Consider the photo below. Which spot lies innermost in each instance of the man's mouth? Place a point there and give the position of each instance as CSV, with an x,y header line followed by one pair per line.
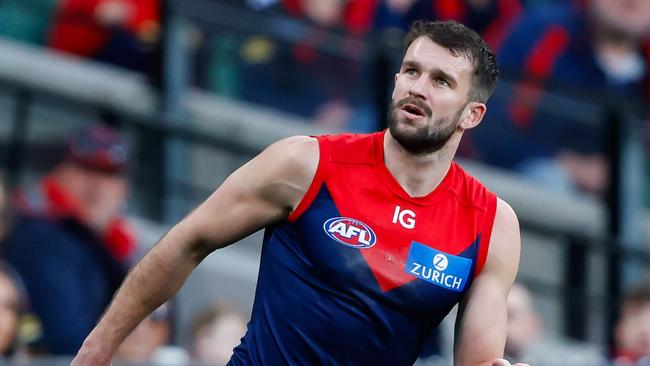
x,y
413,109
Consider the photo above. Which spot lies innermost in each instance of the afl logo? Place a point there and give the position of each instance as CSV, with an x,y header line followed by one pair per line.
x,y
350,232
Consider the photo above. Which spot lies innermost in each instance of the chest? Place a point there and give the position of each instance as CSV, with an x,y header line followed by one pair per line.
x,y
366,241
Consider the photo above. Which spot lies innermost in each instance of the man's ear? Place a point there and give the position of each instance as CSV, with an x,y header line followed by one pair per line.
x,y
472,115
392,96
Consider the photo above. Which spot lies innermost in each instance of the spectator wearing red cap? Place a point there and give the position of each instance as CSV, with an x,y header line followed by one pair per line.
x,y
68,242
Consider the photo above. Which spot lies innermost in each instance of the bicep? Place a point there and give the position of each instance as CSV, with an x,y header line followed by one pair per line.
x,y
482,316
261,192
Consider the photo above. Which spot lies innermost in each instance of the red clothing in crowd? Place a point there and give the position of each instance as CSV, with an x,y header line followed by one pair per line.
x,y
52,200
357,15
77,30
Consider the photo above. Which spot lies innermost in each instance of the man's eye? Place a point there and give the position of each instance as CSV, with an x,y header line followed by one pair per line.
x,y
442,82
411,71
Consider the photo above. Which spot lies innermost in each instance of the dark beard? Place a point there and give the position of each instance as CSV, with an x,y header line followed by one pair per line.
x,y
423,141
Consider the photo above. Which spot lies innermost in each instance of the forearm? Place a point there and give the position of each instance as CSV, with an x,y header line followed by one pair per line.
x,y
481,325
487,348
480,334
158,276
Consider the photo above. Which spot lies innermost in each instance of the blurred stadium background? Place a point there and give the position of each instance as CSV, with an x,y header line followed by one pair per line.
x,y
218,80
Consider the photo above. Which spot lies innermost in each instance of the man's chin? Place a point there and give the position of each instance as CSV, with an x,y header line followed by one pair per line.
x,y
412,140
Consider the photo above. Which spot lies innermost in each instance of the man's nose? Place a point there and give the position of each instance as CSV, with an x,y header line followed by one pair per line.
x,y
418,88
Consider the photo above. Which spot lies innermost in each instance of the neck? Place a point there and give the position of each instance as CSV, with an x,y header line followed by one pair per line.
x,y
418,174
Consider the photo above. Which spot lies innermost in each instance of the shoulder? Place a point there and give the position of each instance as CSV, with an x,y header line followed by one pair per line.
x,y
506,216
282,173
505,232
505,242
295,149
294,153
294,144
350,147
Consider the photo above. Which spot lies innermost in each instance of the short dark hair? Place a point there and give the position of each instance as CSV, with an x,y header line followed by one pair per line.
x,y
461,40
638,295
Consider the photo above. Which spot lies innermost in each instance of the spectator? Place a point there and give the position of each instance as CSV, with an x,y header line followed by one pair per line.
x,y
12,294
323,87
352,17
149,341
526,340
68,242
590,48
215,333
632,334
13,302
119,32
493,19
393,14
524,325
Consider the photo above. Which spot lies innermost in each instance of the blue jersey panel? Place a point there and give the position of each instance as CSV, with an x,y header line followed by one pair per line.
x,y
318,303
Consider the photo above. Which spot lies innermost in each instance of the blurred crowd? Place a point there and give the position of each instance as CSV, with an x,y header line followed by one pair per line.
x,y
590,50
65,249
66,244
120,32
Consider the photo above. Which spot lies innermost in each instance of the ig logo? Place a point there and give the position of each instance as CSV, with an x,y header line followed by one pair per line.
x,y
406,218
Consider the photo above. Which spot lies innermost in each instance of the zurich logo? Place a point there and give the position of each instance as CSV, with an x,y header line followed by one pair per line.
x,y
350,232
440,262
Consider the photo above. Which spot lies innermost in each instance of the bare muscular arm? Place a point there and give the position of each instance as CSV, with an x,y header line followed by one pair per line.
x,y
481,323
263,191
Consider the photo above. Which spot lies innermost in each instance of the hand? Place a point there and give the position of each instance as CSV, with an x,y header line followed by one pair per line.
x,y
81,360
86,357
502,362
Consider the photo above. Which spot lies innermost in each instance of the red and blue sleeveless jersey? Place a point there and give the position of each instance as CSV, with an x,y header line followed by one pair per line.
x,y
360,272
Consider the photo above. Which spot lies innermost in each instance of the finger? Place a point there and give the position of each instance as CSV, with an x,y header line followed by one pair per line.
x,y
500,362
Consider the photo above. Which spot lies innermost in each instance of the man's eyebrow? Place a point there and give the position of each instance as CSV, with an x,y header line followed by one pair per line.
x,y
412,63
435,72
445,75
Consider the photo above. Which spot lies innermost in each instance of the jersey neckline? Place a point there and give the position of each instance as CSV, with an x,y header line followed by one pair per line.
x,y
395,186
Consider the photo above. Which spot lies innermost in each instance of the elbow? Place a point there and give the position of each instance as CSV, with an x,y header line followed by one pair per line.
x,y
192,245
